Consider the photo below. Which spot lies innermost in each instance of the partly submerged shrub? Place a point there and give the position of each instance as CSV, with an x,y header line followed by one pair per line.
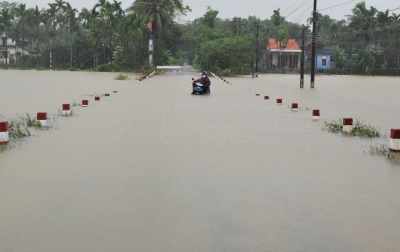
x,y
360,129
121,77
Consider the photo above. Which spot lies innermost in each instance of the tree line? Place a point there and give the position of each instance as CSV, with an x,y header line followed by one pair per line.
x,y
108,38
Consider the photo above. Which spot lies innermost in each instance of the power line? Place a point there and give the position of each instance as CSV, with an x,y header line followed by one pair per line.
x,y
301,15
299,7
336,5
290,6
395,9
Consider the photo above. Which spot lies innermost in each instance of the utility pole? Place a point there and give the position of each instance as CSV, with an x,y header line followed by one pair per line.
x,y
313,44
303,38
6,51
257,50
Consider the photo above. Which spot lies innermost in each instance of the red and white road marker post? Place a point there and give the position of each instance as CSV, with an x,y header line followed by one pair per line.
x,y
295,106
347,125
4,136
42,118
66,109
279,101
266,97
85,103
97,98
394,140
315,114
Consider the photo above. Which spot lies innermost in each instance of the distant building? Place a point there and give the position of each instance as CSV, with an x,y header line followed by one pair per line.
x,y
15,49
324,58
285,55
323,55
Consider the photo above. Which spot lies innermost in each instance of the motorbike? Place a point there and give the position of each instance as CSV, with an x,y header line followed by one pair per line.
x,y
198,88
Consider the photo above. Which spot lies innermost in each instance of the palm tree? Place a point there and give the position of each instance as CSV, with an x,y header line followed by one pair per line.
x,y
95,38
282,41
395,20
22,14
61,7
118,11
85,17
35,19
277,19
364,20
72,22
383,20
107,14
160,12
49,19
6,26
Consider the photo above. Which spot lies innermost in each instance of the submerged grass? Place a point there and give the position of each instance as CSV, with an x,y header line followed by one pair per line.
x,y
18,129
384,151
360,129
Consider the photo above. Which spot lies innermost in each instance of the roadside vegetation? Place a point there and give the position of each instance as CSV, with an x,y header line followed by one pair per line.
x,y
105,37
360,129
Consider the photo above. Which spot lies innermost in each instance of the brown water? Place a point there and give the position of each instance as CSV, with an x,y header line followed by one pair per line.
x,y
153,168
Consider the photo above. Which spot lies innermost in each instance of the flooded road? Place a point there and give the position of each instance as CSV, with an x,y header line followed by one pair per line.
x,y
153,168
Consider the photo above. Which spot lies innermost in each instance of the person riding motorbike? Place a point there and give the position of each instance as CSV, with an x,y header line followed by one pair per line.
x,y
205,81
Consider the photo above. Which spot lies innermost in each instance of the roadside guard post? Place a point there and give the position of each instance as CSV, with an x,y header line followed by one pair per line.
x,y
4,136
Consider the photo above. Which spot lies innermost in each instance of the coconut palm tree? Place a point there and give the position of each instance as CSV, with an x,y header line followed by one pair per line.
x,y
364,20
159,12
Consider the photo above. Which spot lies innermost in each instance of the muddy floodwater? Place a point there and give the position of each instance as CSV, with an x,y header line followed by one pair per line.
x,y
153,168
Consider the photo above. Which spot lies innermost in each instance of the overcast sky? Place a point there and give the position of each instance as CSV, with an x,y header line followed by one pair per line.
x,y
293,10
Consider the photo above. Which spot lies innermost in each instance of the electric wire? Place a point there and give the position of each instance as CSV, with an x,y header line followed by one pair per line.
x,y
299,7
336,5
290,6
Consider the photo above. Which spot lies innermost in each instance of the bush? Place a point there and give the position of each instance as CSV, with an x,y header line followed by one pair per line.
x,y
121,77
225,73
227,53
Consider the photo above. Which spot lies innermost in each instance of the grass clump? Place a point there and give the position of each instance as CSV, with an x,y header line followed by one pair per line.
x,y
360,129
121,77
334,126
384,151
18,129
32,122
61,113
74,104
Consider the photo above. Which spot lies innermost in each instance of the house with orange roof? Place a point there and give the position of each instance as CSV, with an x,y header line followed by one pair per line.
x,y
285,54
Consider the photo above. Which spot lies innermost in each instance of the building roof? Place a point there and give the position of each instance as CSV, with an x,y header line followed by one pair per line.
x,y
291,45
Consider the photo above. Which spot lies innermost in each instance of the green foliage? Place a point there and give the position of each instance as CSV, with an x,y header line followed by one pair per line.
x,y
121,77
210,17
225,72
383,150
360,129
339,55
227,53
32,122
